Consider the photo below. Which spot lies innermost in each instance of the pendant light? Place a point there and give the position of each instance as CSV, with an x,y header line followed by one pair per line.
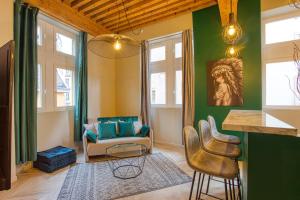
x,y
232,32
232,51
115,46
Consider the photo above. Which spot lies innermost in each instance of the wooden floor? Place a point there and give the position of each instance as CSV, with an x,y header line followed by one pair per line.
x,y
36,185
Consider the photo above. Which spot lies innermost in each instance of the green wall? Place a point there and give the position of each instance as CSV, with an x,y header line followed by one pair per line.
x,y
209,46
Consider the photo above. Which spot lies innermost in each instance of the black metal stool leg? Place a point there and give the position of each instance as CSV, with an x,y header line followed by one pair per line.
x,y
199,180
208,182
226,193
199,197
230,191
233,189
239,188
191,192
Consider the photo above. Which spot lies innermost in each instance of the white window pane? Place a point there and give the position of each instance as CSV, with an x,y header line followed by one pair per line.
x,y
158,54
158,88
283,30
281,84
178,50
64,44
39,86
64,87
178,87
39,36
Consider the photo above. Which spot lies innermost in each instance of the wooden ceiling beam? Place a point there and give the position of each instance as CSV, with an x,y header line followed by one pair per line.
x,y
68,15
94,5
111,8
114,9
161,11
148,13
225,9
146,4
77,3
169,15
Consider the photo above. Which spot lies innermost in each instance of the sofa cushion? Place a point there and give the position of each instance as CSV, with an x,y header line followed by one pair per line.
x,y
91,136
126,129
99,148
107,130
90,126
144,131
137,126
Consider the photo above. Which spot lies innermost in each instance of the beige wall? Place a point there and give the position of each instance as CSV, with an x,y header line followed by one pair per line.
x,y
101,86
6,24
270,4
128,86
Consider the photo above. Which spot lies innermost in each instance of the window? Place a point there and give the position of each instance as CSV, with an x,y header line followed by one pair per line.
x,y
39,35
158,54
165,71
158,88
64,87
282,30
280,84
178,87
280,34
39,86
56,58
64,44
178,50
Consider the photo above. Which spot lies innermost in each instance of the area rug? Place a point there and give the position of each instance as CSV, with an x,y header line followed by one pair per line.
x,y
95,181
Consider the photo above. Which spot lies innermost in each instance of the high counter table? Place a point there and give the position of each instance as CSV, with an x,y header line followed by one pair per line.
x,y
271,165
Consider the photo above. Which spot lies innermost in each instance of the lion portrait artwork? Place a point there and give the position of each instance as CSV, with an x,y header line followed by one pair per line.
x,y
225,82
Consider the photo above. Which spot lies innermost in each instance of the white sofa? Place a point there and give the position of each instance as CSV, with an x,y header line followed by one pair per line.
x,y
99,148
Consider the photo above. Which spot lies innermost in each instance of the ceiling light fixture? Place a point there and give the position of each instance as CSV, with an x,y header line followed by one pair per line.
x,y
232,51
232,32
116,45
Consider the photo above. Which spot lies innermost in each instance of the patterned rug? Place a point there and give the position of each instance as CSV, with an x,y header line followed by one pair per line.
x,y
94,181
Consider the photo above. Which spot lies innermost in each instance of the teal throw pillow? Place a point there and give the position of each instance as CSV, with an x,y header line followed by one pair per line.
x,y
144,131
126,129
91,136
107,130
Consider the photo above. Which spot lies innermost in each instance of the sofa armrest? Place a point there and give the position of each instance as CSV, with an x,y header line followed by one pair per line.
x,y
85,144
151,140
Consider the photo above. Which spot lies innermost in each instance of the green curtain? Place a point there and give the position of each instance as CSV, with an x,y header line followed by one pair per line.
x,y
81,98
25,81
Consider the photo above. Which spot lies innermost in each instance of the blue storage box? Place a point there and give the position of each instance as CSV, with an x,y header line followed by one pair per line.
x,y
55,158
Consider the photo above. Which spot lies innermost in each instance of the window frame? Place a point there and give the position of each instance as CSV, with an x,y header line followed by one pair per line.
x,y
170,65
276,52
50,59
62,108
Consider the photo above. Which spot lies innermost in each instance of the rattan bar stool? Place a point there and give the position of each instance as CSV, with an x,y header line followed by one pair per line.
x,y
217,147
206,163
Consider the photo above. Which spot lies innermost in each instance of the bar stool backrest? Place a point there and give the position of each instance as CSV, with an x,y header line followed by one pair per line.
x,y
191,142
204,131
212,124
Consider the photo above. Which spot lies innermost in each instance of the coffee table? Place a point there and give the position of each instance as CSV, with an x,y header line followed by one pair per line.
x,y
127,160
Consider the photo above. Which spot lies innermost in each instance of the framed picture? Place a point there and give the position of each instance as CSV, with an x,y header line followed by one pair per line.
x,y
225,82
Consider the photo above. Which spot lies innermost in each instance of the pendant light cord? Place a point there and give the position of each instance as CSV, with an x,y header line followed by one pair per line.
x,y
128,22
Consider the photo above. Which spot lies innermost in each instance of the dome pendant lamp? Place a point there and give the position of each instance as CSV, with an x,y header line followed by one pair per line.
x,y
115,46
